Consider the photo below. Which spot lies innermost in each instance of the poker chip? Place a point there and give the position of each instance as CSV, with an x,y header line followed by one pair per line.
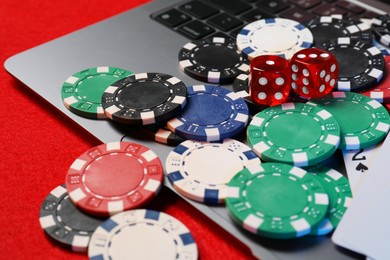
x,y
276,200
213,60
201,170
381,27
142,234
361,65
294,133
385,50
381,92
82,92
114,177
325,28
363,121
64,223
212,114
273,36
145,98
339,193
387,106
161,134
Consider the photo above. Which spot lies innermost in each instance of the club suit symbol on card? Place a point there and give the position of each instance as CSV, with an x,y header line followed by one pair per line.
x,y
361,167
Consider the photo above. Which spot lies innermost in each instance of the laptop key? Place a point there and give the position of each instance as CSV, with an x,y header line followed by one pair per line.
x,y
327,9
275,6
306,4
199,9
195,30
369,14
256,14
225,22
297,14
173,18
232,6
221,35
350,7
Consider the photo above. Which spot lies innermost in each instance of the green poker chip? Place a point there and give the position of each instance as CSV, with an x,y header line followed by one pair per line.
x,y
276,200
294,133
340,196
363,121
82,92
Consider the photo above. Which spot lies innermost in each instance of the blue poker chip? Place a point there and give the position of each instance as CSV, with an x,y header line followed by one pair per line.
x,y
212,113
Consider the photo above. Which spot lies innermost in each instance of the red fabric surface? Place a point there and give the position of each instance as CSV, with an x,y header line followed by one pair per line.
x,y
39,143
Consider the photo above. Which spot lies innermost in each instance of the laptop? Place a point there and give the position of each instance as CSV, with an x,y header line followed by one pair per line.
x,y
148,39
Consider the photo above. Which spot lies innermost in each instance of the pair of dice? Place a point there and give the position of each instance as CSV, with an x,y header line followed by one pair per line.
x,y
311,73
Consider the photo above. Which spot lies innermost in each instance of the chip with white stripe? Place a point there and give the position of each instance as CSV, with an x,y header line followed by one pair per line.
x,y
144,99
381,92
277,200
63,222
212,113
361,65
161,134
114,177
340,196
213,60
363,121
325,28
273,36
294,133
142,234
201,170
381,27
82,92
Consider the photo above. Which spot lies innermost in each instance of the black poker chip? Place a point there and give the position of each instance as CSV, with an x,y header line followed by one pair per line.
x,y
361,65
381,28
144,99
161,134
325,28
64,223
213,60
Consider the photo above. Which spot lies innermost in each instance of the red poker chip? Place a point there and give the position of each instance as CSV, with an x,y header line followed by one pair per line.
x,y
114,177
387,106
381,92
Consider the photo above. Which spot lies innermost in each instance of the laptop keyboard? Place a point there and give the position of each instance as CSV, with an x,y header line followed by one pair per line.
x,y
199,19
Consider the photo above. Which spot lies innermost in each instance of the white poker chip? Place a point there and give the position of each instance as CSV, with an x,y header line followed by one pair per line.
x,y
273,36
142,234
201,170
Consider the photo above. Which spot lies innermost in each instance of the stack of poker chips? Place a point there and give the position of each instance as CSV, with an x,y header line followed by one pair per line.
x,y
99,209
278,187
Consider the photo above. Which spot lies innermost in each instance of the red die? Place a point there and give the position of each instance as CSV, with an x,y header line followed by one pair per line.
x,y
269,80
314,72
